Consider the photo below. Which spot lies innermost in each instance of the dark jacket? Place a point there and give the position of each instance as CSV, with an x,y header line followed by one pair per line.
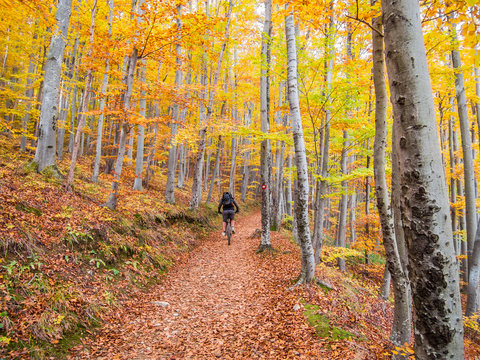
x,y
229,206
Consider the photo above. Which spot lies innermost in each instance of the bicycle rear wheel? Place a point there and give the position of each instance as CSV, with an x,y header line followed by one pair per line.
x,y
228,231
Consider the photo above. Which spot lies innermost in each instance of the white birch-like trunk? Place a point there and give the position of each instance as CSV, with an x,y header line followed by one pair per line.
x,y
265,150
45,155
138,182
172,154
98,145
233,164
323,186
197,176
342,213
424,202
468,173
82,117
216,169
29,92
301,204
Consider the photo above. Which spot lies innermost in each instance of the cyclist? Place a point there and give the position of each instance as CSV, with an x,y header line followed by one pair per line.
x,y
228,203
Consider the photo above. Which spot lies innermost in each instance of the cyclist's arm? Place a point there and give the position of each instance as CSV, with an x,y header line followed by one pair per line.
x,y
235,203
219,205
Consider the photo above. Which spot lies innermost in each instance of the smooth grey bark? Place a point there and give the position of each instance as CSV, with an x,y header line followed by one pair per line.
x,y
323,186
423,200
278,198
353,213
477,90
307,273
288,196
216,169
45,155
265,149
82,117
233,165
29,92
468,173
342,212
208,153
197,176
246,157
124,131
151,156
172,153
98,145
181,166
62,121
138,182
473,277
401,328
385,287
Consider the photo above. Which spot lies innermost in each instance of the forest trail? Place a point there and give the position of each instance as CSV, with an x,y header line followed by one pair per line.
x,y
223,302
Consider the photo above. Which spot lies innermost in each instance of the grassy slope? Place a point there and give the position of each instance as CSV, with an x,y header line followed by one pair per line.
x,y
66,261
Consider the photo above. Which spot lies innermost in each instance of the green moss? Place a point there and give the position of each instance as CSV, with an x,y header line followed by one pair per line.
x,y
21,206
321,323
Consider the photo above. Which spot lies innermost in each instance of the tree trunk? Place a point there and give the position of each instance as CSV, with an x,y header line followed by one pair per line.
x,y
301,204
233,164
82,117
468,172
322,190
424,199
45,155
401,329
265,150
216,169
342,213
98,145
29,92
125,131
172,154
138,182
197,176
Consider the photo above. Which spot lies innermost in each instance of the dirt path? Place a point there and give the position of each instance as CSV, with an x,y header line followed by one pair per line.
x,y
223,302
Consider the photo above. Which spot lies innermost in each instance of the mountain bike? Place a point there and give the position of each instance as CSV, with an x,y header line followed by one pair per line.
x,y
228,230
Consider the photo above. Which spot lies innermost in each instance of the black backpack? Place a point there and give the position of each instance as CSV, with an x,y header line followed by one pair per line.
x,y
227,199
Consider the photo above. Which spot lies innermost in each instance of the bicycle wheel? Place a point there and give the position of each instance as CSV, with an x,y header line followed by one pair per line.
x,y
228,231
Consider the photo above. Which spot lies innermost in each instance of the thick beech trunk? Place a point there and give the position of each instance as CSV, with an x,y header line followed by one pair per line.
x,y
424,202
301,204
401,329
45,155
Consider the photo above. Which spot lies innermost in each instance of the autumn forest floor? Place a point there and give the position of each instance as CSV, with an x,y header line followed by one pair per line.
x,y
158,281
229,302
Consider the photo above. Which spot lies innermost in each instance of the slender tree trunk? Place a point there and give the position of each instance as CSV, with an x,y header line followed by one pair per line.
x,y
29,92
124,132
322,190
151,157
469,176
342,213
424,199
216,169
86,96
197,176
265,150
233,164
98,145
172,154
301,204
45,155
385,287
138,182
